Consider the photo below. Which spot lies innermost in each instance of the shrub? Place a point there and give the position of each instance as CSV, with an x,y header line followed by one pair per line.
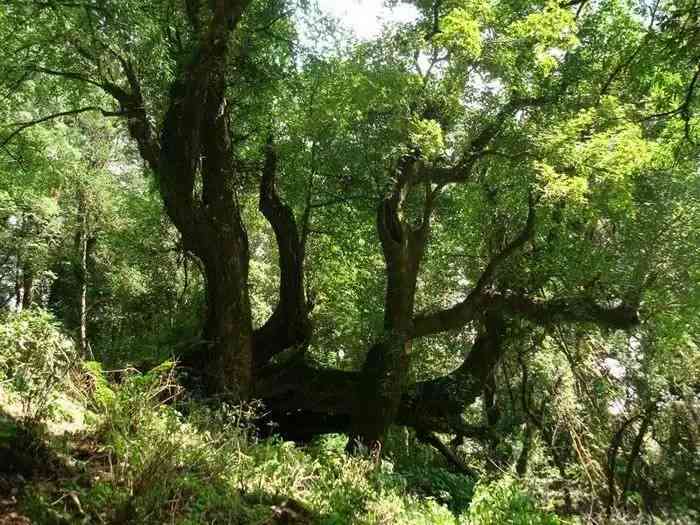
x,y
136,402
425,472
504,502
449,488
35,358
168,467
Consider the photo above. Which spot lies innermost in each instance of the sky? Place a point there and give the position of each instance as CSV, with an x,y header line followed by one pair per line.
x,y
366,17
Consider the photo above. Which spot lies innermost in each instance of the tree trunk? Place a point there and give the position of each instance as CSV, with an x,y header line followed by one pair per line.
x,y
82,249
386,366
289,325
19,290
196,146
524,457
223,249
611,465
636,452
27,288
492,415
228,360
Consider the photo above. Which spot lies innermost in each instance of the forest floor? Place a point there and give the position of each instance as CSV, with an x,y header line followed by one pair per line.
x,y
125,453
136,449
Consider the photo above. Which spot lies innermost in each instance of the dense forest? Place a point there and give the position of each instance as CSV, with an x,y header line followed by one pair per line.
x,y
257,269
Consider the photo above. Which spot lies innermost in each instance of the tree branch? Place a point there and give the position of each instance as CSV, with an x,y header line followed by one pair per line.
x,y
684,110
450,455
464,312
580,309
289,324
477,147
71,75
21,126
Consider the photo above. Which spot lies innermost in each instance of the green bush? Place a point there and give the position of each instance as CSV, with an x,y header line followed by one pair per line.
x,y
35,358
168,467
425,473
449,488
504,502
168,460
138,401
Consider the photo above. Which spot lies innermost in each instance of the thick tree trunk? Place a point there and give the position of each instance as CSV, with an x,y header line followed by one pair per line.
x,y
228,360
384,373
386,366
381,384
223,249
196,145
438,404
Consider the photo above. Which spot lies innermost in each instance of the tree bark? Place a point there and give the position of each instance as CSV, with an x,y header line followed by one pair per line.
x,y
18,285
492,415
27,288
384,373
82,246
195,146
438,404
524,457
289,325
306,401
449,454
611,466
228,360
636,452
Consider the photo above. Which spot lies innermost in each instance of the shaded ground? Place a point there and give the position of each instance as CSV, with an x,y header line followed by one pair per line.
x,y
9,491
60,458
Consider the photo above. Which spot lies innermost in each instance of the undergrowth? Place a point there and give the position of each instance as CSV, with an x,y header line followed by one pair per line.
x,y
149,454
152,456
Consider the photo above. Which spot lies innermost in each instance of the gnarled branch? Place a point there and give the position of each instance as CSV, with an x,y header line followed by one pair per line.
x,y
289,324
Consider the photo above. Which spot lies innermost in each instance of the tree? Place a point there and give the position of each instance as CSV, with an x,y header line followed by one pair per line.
x,y
508,131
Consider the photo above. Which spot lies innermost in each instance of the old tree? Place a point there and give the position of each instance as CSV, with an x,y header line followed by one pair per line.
x,y
432,198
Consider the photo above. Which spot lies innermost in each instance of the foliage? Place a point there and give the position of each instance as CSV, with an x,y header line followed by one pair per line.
x,y
206,466
35,359
124,409
504,501
550,151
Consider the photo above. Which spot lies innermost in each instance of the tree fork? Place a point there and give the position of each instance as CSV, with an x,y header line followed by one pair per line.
x,y
384,373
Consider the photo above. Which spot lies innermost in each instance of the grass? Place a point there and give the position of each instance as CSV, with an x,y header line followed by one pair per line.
x,y
146,454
